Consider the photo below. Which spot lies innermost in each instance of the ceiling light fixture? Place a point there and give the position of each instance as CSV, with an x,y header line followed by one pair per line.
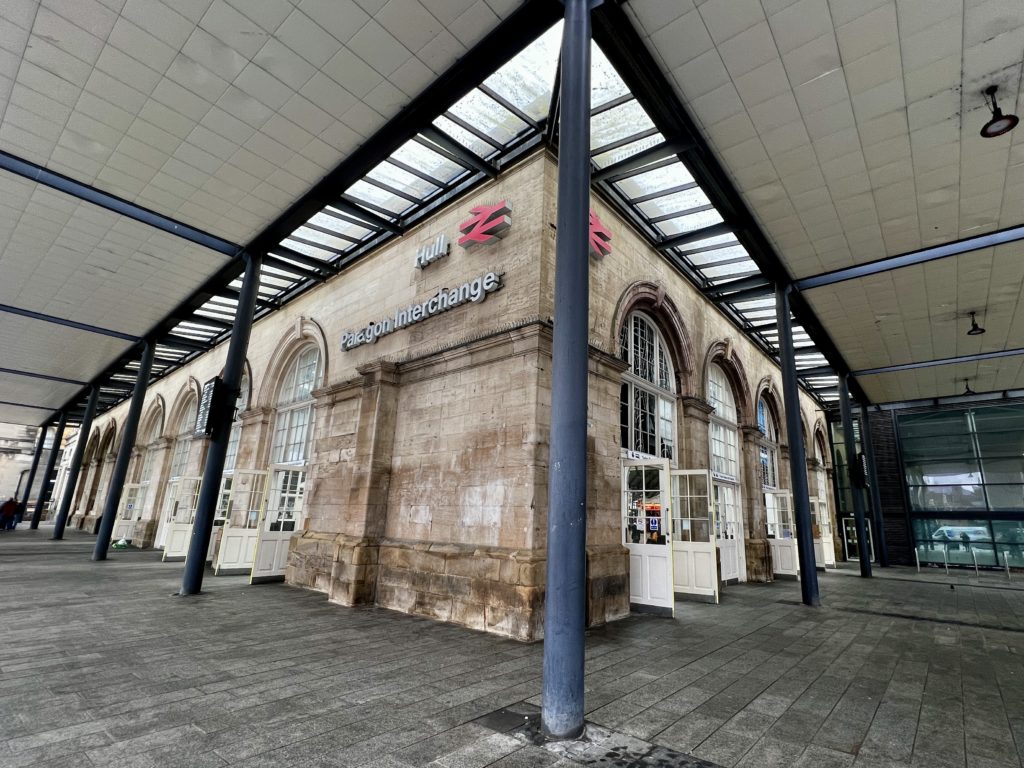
x,y
976,330
1000,123
967,388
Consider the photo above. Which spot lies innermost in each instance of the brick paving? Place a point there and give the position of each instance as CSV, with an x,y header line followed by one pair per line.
x,y
103,666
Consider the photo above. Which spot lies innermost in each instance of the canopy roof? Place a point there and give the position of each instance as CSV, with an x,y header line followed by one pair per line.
x,y
146,145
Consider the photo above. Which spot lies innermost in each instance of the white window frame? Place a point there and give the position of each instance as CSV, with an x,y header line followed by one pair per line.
x,y
658,390
724,427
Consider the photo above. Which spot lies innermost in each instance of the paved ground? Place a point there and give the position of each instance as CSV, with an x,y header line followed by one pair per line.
x,y
103,667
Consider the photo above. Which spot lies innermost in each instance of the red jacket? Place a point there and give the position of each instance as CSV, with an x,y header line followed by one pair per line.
x,y
9,508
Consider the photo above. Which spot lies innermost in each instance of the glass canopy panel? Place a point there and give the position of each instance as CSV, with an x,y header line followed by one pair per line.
x,y
395,177
690,222
717,256
470,141
747,267
621,153
329,243
657,180
605,83
527,80
309,250
619,123
426,160
709,243
340,225
488,116
366,192
677,202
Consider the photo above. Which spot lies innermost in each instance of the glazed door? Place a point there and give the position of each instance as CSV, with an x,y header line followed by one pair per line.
x,y
729,531
782,532
124,525
645,520
281,519
245,501
180,512
821,526
694,564
850,543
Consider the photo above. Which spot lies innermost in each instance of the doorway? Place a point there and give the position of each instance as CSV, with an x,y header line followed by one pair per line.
x,y
645,523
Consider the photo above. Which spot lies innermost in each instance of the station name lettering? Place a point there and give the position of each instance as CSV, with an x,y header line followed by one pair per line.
x,y
473,291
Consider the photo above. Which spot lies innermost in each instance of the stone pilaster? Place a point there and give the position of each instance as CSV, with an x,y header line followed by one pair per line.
x,y
695,449
755,519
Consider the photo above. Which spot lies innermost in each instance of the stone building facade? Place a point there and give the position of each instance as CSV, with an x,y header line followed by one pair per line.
x,y
422,482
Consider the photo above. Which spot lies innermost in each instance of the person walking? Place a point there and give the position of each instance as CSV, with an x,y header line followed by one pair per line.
x,y
7,513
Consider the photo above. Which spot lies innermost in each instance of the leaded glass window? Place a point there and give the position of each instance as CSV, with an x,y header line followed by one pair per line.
x,y
723,427
647,401
768,447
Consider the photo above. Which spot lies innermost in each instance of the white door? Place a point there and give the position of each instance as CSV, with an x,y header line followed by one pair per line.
x,y
282,518
180,504
694,563
729,531
645,519
245,504
821,526
782,533
124,525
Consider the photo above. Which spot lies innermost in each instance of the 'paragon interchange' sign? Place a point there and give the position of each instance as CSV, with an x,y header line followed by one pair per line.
x,y
475,291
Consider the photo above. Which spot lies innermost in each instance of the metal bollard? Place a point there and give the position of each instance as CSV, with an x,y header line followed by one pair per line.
x,y
945,560
917,559
1006,561
975,556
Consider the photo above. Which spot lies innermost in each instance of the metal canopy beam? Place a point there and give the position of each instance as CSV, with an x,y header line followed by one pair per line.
x,y
458,152
1009,235
639,160
67,323
43,376
119,205
715,230
741,284
941,361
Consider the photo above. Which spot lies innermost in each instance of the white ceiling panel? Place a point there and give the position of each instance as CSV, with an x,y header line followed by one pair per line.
x,y
219,113
851,128
920,313
946,381
71,259
29,391
46,348
23,416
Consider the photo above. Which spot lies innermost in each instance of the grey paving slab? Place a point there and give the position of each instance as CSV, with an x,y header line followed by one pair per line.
x,y
110,671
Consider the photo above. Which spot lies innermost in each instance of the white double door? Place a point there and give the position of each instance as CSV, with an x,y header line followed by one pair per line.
x,y
243,501
782,533
645,524
821,525
282,519
694,563
729,536
179,512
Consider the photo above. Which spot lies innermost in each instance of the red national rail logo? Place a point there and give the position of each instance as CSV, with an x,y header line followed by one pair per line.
x,y
488,223
600,237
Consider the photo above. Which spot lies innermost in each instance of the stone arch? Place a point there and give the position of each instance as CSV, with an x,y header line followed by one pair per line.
x,y
767,389
722,353
151,426
304,331
651,299
189,391
107,442
246,381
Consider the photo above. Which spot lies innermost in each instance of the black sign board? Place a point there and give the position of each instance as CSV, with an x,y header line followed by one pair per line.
x,y
212,395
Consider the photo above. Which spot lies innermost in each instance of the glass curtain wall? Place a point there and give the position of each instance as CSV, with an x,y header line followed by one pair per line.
x,y
964,473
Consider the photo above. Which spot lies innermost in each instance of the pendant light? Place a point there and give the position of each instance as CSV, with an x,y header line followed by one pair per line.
x,y
1000,123
967,388
975,330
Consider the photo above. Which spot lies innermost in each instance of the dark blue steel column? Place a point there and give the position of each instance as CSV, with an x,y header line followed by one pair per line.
x,y
124,454
565,606
35,463
876,497
76,464
51,462
797,456
209,493
855,490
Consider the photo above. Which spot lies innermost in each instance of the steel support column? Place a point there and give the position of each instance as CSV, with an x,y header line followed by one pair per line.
x,y
797,456
76,463
124,454
565,605
51,462
855,490
876,497
35,464
221,416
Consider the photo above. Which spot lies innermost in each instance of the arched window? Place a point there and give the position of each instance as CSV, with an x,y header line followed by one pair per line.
x,y
768,446
182,492
647,399
293,430
723,428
